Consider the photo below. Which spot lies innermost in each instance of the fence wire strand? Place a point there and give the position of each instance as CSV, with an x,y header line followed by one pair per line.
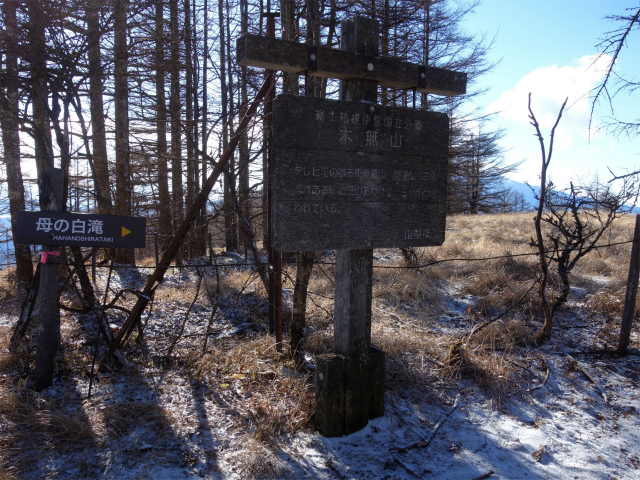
x,y
389,267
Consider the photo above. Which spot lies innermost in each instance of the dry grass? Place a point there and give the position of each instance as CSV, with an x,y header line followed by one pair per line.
x,y
269,392
267,395
33,421
122,419
494,286
259,461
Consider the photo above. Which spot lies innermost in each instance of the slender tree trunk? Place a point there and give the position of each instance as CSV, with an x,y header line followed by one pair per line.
x,y
192,184
121,103
11,140
234,223
305,259
164,199
48,337
384,48
174,106
99,138
427,38
314,26
205,112
243,166
231,235
39,92
266,140
200,236
298,319
545,331
474,179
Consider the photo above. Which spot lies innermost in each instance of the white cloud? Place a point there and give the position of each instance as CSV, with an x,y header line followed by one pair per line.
x,y
549,86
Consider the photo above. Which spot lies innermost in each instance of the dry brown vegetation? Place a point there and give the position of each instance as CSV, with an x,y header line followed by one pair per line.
x,y
427,320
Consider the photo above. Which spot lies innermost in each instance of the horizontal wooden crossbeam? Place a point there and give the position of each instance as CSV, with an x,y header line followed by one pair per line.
x,y
294,57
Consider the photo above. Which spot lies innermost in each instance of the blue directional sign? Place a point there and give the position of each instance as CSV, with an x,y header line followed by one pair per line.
x,y
81,229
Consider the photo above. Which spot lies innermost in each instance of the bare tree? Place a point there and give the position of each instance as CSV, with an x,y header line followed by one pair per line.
x,y
576,220
614,83
545,331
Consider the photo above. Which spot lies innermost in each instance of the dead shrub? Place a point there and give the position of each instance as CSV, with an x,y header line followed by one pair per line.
x,y
319,342
606,301
486,280
504,334
240,280
488,366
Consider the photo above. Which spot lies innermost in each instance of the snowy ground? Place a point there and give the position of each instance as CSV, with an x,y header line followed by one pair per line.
x,y
560,426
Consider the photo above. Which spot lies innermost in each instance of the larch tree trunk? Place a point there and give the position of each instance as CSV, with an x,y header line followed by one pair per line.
x,y
205,112
174,107
200,237
41,130
121,111
231,236
99,158
192,184
96,101
11,140
233,178
164,199
304,268
243,165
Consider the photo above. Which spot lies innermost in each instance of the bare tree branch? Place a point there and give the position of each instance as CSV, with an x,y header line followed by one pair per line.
x,y
613,43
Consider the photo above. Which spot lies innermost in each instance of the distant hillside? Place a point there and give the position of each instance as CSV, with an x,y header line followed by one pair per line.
x,y
527,193
524,190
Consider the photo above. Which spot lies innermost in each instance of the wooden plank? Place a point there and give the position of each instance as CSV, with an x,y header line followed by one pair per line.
x,y
292,57
330,384
350,175
376,382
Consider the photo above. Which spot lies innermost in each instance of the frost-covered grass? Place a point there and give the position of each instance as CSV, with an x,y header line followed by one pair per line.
x,y
239,409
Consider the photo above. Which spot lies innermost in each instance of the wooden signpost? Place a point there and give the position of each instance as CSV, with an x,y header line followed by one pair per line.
x,y
51,228
351,175
81,229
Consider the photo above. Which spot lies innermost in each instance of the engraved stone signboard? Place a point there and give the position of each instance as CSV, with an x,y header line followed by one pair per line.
x,y
353,175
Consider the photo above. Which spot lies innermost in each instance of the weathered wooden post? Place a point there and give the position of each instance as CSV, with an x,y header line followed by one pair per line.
x,y
632,290
351,175
354,268
48,339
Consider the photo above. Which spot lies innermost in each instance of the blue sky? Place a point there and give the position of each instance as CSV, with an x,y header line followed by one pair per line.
x,y
547,47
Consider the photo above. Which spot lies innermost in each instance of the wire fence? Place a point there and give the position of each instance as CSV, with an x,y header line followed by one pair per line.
x,y
152,251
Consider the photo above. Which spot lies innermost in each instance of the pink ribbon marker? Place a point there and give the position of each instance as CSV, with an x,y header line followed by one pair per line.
x,y
43,255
